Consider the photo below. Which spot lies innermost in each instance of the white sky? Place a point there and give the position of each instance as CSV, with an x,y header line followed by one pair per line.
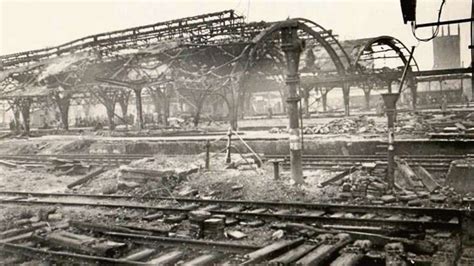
x,y
34,24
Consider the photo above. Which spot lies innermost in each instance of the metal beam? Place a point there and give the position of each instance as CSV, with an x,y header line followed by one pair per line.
x,y
336,79
446,22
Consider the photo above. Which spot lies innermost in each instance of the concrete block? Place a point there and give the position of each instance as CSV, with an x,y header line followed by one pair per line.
x,y
461,176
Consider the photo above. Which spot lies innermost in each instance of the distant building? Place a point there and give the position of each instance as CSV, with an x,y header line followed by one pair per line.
x,y
447,50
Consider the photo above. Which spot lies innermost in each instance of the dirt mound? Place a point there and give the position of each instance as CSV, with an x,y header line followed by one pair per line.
x,y
113,181
25,148
255,184
76,146
105,183
37,146
32,180
159,162
220,183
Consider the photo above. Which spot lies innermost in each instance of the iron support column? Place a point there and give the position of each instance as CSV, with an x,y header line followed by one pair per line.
x,y
472,49
228,156
208,157
389,85
138,102
390,100
292,47
346,95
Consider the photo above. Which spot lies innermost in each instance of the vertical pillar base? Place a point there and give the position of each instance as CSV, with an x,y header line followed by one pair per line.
x,y
292,47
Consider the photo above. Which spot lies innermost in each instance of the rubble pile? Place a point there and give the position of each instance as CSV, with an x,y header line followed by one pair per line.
x,y
248,182
156,175
345,125
360,124
68,167
143,175
445,126
412,124
405,124
455,122
412,187
443,197
362,185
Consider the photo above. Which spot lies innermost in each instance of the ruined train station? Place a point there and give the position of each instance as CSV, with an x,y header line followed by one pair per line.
x,y
215,140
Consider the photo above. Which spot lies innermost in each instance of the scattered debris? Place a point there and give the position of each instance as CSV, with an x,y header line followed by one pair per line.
x,y
428,180
68,167
86,178
338,176
235,234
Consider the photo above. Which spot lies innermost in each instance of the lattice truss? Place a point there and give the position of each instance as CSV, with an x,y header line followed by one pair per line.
x,y
211,57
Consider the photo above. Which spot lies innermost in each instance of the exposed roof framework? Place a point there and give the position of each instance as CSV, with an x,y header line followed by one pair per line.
x,y
378,48
196,29
216,53
209,31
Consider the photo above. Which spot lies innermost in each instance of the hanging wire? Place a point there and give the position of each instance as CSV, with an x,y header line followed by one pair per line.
x,y
435,33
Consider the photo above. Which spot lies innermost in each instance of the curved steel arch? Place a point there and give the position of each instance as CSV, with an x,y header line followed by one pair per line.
x,y
248,53
300,24
347,57
389,41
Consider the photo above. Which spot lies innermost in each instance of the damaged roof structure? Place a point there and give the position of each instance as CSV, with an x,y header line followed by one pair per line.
x,y
286,181
194,58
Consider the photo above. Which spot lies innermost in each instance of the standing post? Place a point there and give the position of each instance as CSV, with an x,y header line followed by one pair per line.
x,y
292,47
276,170
138,102
276,167
390,100
346,90
229,143
389,85
208,146
472,49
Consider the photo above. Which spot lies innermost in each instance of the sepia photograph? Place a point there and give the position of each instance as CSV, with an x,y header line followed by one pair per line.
x,y
237,132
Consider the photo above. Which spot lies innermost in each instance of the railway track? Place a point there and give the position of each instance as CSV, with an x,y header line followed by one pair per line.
x,y
116,248
82,242
110,160
437,163
315,233
375,218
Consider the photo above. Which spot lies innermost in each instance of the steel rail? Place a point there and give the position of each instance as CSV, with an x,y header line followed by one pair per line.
x,y
371,156
368,157
307,218
435,163
134,238
337,168
91,159
79,156
163,240
189,243
292,205
63,256
324,162
399,223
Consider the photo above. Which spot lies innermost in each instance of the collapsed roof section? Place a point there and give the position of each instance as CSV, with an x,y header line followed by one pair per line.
x,y
61,64
202,29
26,92
206,45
